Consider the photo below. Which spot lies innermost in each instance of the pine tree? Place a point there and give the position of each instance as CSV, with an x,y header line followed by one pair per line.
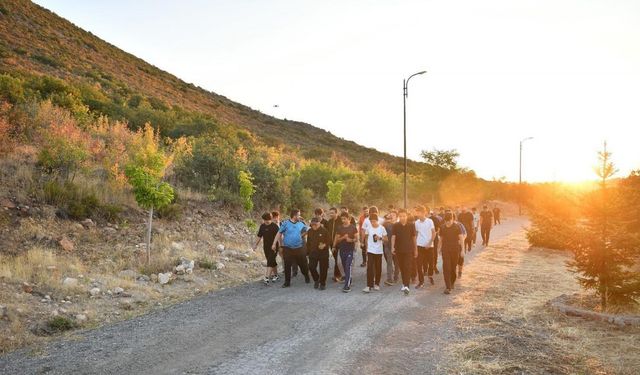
x,y
603,248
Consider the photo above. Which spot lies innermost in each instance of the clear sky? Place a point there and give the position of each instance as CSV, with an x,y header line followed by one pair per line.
x,y
564,72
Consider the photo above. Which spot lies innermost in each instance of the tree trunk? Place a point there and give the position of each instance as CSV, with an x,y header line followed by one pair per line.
x,y
149,235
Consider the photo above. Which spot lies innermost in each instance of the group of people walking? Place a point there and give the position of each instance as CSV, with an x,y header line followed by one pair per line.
x,y
409,242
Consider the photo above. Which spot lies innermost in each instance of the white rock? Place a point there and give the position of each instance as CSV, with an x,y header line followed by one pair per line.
x,y
180,269
94,292
69,282
81,317
88,223
220,265
47,297
164,278
118,290
220,248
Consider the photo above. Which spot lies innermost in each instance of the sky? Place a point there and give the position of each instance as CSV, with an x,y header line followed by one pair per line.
x,y
566,73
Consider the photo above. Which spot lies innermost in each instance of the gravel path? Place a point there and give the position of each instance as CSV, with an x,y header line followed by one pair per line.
x,y
253,329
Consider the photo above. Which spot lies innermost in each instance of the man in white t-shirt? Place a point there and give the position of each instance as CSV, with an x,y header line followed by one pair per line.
x,y
426,232
375,235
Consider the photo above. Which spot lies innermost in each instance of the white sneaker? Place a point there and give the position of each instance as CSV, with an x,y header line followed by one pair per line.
x,y
366,290
406,290
376,287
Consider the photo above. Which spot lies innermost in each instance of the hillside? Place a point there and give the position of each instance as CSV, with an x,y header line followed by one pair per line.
x,y
34,40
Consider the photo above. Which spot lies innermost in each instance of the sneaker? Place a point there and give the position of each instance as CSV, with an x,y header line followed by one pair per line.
x,y
366,290
346,289
447,291
389,283
376,287
307,280
431,280
265,281
334,279
406,290
363,265
286,285
275,278
419,286
316,285
322,287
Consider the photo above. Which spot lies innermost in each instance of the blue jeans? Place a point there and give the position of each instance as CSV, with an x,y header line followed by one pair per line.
x,y
346,256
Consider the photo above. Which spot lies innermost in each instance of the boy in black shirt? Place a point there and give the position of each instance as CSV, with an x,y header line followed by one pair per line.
x,y
267,233
318,246
332,225
451,242
403,243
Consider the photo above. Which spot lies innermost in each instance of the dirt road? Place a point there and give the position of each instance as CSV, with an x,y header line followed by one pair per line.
x,y
253,329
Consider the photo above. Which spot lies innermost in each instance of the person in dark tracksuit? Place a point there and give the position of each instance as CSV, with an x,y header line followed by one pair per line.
x,y
486,222
403,244
318,247
451,244
332,225
292,232
345,241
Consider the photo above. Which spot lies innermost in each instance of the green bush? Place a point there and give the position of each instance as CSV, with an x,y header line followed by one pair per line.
x,y
206,264
172,212
61,324
75,203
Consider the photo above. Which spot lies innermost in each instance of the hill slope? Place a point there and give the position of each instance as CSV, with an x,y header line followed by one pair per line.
x,y
35,40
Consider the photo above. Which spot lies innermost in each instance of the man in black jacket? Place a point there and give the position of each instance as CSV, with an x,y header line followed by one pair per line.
x,y
318,240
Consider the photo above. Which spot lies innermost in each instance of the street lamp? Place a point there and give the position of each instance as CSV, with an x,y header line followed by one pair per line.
x,y
520,177
405,93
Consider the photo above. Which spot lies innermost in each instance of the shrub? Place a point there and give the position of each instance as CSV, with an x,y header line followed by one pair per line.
x,y
61,324
65,150
172,211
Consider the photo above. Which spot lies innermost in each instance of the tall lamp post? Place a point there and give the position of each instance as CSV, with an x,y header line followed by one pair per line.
x,y
405,93
520,177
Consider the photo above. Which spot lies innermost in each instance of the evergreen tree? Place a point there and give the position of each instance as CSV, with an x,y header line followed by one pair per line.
x,y
604,250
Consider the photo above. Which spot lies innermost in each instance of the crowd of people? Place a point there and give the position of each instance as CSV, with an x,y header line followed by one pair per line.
x,y
409,242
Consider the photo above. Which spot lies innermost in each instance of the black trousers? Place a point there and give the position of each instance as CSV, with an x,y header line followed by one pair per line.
x,y
422,263
294,257
468,241
436,241
449,264
485,232
430,264
406,262
321,258
364,254
374,269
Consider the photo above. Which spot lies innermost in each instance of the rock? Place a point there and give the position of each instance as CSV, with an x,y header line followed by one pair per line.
x,y
220,265
66,244
95,292
220,248
128,274
118,290
180,270
27,288
6,203
177,246
77,226
80,318
164,278
47,297
69,282
88,223
110,229
186,265
144,278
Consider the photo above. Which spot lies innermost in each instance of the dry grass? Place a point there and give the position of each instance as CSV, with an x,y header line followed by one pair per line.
x,y
508,328
40,266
